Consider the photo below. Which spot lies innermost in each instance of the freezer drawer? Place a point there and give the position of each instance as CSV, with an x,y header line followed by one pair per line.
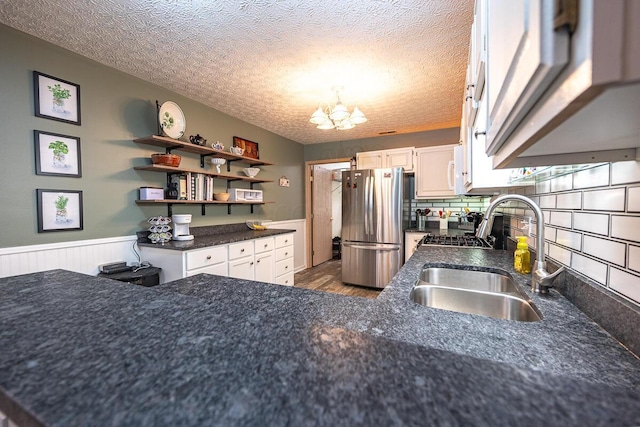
x,y
370,264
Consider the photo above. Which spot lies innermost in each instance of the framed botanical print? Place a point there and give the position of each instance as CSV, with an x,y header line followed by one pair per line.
x,y
57,154
56,99
59,210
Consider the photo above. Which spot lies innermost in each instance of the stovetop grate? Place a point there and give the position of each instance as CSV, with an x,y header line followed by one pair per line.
x,y
466,241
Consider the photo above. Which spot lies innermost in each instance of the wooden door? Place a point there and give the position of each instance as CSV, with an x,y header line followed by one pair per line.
x,y
321,215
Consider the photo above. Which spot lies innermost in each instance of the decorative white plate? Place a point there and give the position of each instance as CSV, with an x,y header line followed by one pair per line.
x,y
172,120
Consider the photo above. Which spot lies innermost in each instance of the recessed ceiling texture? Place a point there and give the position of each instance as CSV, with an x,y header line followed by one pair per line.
x,y
271,63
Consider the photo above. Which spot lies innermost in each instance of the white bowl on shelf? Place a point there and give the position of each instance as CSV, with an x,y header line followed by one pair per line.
x,y
252,172
217,162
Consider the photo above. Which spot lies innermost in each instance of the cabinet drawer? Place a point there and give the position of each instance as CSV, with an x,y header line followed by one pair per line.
x,y
284,240
240,249
285,279
264,245
204,257
217,269
284,267
284,253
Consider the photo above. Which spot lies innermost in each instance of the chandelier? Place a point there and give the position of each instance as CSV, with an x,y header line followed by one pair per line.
x,y
338,116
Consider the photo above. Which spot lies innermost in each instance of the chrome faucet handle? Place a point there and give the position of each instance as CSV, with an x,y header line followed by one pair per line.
x,y
542,280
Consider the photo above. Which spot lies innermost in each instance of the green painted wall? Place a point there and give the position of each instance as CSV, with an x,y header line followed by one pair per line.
x,y
348,149
116,108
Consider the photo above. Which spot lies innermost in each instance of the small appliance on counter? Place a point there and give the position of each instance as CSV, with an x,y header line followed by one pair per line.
x,y
181,227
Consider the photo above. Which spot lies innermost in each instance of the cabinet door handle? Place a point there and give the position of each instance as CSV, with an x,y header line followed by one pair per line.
x,y
251,263
242,250
258,261
286,266
286,253
476,133
266,245
208,257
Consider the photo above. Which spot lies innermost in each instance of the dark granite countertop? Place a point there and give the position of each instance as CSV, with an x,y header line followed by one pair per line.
x,y
212,236
208,350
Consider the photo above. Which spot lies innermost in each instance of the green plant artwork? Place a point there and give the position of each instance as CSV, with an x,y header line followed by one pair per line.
x,y
61,202
167,120
59,93
58,148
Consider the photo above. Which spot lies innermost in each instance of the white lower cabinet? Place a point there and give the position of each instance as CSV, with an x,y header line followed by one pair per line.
x,y
241,260
284,259
411,239
178,264
268,259
264,267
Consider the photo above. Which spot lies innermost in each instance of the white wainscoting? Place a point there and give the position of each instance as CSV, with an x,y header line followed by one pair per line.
x,y
299,237
82,256
85,256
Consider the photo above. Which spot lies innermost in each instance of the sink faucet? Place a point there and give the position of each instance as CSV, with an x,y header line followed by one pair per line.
x,y
541,279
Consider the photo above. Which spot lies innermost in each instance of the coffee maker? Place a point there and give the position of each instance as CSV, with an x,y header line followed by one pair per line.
x,y
181,227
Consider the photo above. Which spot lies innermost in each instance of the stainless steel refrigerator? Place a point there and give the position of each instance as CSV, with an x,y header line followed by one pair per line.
x,y
371,226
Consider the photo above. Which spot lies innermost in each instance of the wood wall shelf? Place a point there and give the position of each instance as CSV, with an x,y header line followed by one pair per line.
x,y
170,169
174,144
203,203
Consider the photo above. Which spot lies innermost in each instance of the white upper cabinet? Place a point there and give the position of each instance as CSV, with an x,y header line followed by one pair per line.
x,y
393,158
560,96
435,171
525,54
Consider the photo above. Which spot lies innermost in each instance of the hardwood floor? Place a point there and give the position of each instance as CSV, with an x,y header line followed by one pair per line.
x,y
327,277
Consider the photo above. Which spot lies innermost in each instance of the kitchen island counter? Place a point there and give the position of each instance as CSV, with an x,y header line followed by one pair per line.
x,y
78,350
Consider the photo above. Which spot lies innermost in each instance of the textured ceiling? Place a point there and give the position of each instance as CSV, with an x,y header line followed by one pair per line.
x,y
271,63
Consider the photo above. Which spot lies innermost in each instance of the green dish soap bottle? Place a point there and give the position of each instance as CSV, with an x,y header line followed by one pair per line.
x,y
522,256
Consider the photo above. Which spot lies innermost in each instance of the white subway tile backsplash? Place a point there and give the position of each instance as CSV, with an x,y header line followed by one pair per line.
x,y
634,258
591,268
570,239
604,200
625,227
569,201
633,199
561,255
543,187
560,219
605,249
547,202
625,172
550,234
625,283
594,177
562,183
593,223
547,216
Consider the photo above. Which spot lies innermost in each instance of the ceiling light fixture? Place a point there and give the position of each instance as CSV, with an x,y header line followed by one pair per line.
x,y
338,116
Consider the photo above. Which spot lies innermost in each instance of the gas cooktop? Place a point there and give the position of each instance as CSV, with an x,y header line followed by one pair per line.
x,y
467,241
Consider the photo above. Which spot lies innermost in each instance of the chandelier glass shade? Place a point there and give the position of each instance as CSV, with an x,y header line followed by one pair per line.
x,y
337,117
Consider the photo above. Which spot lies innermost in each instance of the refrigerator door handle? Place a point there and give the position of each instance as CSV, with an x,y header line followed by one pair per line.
x,y
367,204
381,248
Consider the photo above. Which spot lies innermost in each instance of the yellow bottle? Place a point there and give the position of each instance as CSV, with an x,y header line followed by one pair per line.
x,y
522,256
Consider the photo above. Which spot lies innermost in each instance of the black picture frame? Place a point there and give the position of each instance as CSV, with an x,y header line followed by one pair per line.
x,y
250,148
52,216
57,154
56,99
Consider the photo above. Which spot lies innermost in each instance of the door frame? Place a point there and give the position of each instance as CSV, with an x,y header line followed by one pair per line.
x,y
308,168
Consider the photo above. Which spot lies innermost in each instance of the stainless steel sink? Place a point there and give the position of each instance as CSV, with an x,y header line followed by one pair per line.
x,y
489,281
499,306
487,292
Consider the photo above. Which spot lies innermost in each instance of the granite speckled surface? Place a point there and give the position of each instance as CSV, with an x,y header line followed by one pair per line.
x,y
211,236
208,350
